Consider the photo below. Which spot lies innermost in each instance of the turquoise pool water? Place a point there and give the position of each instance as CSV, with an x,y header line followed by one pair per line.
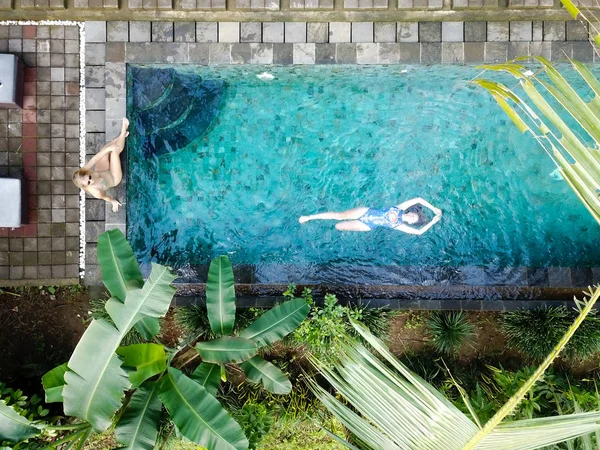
x,y
222,162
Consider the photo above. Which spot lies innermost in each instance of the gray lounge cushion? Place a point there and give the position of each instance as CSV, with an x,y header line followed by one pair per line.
x,y
10,202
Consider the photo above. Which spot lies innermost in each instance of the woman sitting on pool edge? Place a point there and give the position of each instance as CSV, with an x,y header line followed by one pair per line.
x,y
366,219
104,171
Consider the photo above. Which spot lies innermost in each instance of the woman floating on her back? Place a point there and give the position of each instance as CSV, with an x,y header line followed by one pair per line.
x,y
103,171
366,219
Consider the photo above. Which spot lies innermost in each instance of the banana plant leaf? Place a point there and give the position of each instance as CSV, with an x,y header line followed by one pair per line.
x,y
53,383
120,272
147,360
96,381
198,415
272,378
227,350
277,323
208,376
14,427
138,427
220,296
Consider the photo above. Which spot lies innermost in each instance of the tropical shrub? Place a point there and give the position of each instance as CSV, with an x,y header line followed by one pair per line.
x,y
535,332
328,324
92,386
384,405
448,331
194,320
256,420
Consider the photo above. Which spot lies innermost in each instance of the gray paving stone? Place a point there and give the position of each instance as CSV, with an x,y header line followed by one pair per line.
x,y
538,30
229,32
339,32
317,32
460,4
95,54
431,53
474,52
219,53
554,31
453,31
497,31
262,53
273,32
385,32
206,31
325,53
94,121
295,32
362,32
282,53
303,53
345,53
561,50
117,31
410,52
95,31
241,54
162,32
94,209
583,51
543,49
453,53
367,53
139,31
115,79
577,31
496,52
521,31
559,277
408,32
389,53
517,49
430,32
184,32
405,4
251,32
94,99
156,52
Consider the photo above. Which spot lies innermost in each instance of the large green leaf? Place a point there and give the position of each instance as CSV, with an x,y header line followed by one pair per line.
x,y
277,322
96,382
53,382
220,296
138,426
209,376
198,415
120,270
14,427
95,386
147,360
272,378
226,350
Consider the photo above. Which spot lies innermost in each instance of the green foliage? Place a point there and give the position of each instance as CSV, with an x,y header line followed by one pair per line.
x,y
194,320
329,324
256,420
448,331
30,408
415,320
535,332
297,434
98,310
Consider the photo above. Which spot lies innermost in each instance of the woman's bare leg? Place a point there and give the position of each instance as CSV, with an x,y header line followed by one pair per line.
x,y
352,225
355,213
116,145
114,161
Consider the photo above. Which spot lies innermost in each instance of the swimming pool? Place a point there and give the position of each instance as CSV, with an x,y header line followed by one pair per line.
x,y
224,162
